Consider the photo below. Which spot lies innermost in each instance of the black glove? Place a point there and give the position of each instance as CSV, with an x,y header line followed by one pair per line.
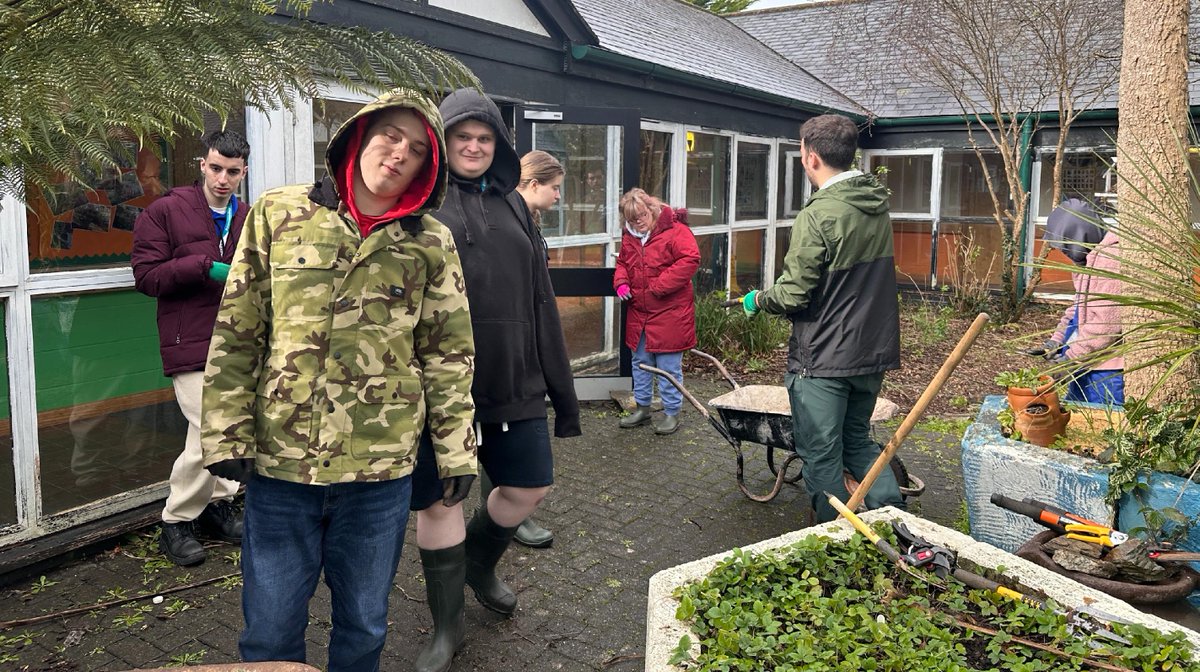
x,y
236,469
455,488
1047,350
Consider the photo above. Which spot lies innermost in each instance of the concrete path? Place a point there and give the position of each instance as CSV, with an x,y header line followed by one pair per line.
x,y
626,505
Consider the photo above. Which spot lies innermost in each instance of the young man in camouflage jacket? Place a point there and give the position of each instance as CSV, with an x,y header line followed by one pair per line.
x,y
343,333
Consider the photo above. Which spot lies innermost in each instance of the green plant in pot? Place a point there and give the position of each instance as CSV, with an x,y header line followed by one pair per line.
x,y
1026,386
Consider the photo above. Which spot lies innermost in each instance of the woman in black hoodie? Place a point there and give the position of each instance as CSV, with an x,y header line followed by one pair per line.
x,y
521,358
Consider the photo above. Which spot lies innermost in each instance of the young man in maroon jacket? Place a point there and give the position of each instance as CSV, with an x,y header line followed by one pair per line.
x,y
182,247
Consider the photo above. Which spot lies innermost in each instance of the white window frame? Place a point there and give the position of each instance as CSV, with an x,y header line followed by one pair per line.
x,y
934,216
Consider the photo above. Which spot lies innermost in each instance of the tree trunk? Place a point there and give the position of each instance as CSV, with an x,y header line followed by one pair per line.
x,y
1152,163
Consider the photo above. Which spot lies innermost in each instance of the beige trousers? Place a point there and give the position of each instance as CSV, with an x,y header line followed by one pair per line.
x,y
192,487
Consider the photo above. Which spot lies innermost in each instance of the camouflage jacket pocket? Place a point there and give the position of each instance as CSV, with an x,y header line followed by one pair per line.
x,y
388,418
284,424
302,279
391,298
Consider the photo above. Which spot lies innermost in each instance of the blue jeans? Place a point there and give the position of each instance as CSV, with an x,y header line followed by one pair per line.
x,y
354,531
643,381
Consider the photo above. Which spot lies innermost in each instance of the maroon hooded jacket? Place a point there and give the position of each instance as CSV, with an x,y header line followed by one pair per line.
x,y
174,246
659,273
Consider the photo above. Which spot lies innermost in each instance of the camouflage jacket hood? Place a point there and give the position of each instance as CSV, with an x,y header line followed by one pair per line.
x,y
332,352
325,191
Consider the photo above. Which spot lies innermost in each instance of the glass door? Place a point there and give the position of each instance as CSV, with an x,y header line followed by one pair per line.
x,y
598,148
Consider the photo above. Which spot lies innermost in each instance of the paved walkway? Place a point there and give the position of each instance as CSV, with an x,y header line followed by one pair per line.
x,y
627,504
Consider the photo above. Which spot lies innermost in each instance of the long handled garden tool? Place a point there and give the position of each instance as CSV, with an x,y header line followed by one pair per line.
x,y
918,409
943,562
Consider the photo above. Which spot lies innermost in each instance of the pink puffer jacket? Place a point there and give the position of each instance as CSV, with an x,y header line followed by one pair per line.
x,y
1099,319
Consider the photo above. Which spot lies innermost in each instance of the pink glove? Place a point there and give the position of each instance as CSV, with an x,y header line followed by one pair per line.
x,y
624,292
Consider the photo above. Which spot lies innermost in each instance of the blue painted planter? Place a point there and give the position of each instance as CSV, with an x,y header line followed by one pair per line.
x,y
992,463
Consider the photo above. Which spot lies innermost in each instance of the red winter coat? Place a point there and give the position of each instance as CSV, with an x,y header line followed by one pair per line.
x,y
659,273
174,245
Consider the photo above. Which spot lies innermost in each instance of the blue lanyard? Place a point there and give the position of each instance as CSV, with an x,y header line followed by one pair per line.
x,y
223,231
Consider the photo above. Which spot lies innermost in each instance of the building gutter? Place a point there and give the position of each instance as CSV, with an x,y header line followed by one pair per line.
x,y
1086,115
1025,174
584,52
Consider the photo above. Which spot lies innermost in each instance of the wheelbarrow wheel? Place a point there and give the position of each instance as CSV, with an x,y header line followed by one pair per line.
x,y
774,470
910,486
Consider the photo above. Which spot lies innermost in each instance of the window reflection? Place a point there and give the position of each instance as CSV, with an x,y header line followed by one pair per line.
x,y
583,317
910,179
655,162
749,250
790,194
107,417
714,263
583,151
707,179
783,238
752,165
328,117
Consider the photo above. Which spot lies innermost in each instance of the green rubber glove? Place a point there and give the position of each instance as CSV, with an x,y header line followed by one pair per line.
x,y
219,271
749,303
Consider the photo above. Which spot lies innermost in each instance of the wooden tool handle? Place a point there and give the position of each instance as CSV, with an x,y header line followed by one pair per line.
x,y
918,410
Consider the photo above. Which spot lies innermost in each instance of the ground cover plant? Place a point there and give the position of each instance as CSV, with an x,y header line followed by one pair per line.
x,y
840,605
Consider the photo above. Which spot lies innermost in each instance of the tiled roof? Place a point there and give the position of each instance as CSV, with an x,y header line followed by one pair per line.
x,y
845,44
681,36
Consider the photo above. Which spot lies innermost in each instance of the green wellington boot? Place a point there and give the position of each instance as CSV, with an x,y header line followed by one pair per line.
x,y
486,543
529,533
667,425
445,574
637,418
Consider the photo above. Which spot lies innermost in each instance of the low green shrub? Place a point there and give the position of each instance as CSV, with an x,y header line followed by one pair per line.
x,y
728,334
822,605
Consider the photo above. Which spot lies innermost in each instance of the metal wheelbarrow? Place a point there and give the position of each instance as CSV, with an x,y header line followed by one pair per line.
x,y
762,414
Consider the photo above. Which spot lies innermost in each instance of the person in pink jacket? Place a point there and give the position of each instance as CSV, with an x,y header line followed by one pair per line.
x,y
1092,323
654,273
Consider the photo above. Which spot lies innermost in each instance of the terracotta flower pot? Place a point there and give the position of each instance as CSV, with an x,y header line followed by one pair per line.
x,y
1020,397
1040,424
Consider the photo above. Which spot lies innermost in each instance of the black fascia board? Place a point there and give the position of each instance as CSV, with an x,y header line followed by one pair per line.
x,y
565,19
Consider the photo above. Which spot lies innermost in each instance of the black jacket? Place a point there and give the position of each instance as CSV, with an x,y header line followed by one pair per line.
x,y
520,353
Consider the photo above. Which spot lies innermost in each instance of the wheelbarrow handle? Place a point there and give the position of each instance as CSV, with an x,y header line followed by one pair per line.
x,y
717,363
679,386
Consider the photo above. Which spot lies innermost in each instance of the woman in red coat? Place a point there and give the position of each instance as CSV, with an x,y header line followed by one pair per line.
x,y
654,275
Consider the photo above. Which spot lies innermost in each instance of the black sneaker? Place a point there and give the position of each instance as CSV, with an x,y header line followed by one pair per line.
x,y
220,521
178,542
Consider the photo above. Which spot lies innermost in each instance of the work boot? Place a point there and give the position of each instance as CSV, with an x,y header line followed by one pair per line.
x,y
220,521
637,418
533,535
445,571
178,542
667,425
486,542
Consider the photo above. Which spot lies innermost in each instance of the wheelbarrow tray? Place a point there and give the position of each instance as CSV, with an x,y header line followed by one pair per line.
x,y
757,413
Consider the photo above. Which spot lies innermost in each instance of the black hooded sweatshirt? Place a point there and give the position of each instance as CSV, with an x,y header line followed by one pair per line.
x,y
520,354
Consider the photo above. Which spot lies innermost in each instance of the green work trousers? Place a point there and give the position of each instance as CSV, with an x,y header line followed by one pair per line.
x,y
831,425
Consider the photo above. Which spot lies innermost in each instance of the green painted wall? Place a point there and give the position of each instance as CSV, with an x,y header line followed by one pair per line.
x,y
89,347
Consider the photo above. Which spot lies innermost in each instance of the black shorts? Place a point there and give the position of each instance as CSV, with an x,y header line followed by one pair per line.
x,y
518,458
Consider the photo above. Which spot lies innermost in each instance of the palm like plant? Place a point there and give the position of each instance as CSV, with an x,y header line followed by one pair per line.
x,y
83,81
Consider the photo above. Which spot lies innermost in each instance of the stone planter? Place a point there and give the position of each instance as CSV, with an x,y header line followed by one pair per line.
x,y
663,630
993,463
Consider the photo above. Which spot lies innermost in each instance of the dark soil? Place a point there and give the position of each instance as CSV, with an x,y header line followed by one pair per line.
x,y
928,334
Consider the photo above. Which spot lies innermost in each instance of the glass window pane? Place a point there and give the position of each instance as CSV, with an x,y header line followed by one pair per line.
x,y
107,418
749,252
965,190
753,163
790,195
583,317
783,238
707,179
8,487
969,253
913,243
656,164
714,263
584,153
91,226
1083,177
909,177
1052,280
328,117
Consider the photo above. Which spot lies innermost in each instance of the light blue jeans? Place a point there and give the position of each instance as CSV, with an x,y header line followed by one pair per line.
x,y
643,381
354,532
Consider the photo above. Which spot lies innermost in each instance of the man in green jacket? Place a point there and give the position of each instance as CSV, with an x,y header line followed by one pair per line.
x,y
344,332
838,288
